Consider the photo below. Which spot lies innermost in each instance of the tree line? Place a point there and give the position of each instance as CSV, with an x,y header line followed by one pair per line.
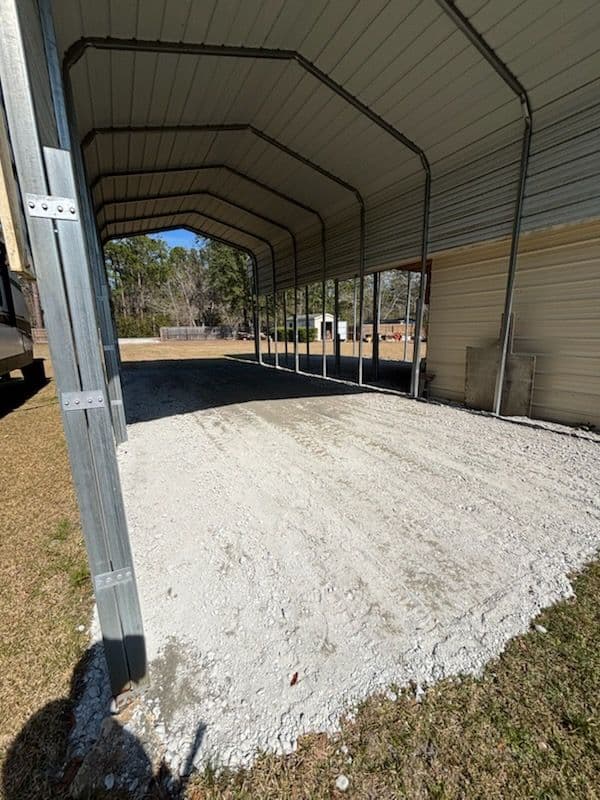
x,y
155,285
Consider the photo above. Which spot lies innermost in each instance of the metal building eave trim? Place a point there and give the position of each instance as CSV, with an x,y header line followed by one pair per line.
x,y
490,55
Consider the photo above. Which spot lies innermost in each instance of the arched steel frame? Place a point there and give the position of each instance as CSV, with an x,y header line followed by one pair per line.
x,y
255,182
250,253
78,49
126,201
511,80
91,135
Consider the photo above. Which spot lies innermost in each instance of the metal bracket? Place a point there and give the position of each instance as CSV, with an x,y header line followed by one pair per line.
x,y
82,401
49,207
107,579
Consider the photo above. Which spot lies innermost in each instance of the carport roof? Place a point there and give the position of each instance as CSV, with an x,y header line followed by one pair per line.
x,y
369,92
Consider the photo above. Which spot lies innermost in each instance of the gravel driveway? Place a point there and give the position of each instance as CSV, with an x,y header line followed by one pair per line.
x,y
301,544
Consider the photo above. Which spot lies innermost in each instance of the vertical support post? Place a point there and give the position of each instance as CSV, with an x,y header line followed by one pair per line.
x,y
306,312
256,311
510,79
296,348
336,324
375,350
275,343
268,326
415,377
407,314
324,342
361,294
67,297
64,114
512,270
354,309
285,330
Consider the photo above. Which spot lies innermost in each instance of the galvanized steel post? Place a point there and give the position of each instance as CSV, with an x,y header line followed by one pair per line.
x,y
59,251
477,40
65,124
361,294
336,323
256,310
375,349
306,312
407,314
285,337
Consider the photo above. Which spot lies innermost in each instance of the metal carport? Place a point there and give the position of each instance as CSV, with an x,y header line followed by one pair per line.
x,y
354,136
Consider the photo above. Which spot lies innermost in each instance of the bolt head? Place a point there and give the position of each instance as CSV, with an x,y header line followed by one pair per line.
x,y
60,209
76,402
72,209
31,204
45,206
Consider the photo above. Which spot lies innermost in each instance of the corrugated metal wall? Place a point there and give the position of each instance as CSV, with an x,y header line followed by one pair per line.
x,y
557,316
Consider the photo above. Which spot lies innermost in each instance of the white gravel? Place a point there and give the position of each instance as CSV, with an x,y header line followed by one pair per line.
x,y
283,525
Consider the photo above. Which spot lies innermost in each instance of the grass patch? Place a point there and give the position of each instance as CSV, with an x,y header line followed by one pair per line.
x,y
64,529
45,594
528,728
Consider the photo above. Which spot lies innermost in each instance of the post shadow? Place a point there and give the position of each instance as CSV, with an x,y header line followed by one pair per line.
x,y
52,758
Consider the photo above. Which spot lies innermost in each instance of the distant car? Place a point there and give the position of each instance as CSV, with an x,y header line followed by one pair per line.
x,y
245,335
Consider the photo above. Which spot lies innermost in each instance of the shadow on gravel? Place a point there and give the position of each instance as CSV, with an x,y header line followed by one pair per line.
x,y
156,389
57,756
392,374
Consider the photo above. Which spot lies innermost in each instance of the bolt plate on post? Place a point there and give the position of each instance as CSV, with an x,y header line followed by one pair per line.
x,y
107,579
82,401
50,207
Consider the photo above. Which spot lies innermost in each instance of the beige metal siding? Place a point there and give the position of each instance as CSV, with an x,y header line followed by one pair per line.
x,y
557,316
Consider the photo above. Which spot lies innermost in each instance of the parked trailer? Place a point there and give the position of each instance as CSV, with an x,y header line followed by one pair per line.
x,y
16,343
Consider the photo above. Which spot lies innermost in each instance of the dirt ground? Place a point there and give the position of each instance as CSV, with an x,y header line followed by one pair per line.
x,y
393,351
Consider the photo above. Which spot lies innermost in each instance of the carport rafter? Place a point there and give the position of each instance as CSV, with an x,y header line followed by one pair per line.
x,y
478,41
91,135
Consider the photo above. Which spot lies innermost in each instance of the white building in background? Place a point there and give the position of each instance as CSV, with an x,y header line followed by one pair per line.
x,y
316,321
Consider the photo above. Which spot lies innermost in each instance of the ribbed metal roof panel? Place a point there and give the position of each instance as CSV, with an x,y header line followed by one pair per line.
x,y
406,60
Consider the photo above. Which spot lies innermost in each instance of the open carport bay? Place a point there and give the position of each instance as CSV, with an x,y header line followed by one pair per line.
x,y
300,544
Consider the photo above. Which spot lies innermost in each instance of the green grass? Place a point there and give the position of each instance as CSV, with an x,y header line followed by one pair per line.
x,y
529,727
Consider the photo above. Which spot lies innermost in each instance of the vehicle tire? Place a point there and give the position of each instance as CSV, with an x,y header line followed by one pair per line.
x,y
34,374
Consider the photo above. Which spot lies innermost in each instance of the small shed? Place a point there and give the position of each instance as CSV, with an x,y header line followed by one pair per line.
x,y
316,321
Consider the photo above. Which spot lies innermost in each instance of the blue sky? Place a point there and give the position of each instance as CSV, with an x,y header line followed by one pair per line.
x,y
178,238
